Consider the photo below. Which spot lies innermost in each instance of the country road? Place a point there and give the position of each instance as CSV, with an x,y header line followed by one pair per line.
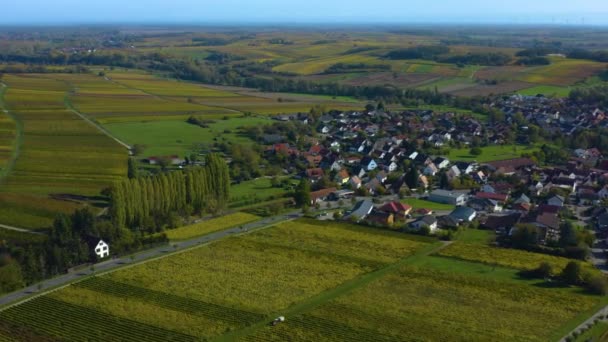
x,y
113,264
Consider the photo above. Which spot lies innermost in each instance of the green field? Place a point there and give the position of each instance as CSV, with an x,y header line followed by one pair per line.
x,y
259,189
490,153
162,138
476,236
546,90
424,204
598,333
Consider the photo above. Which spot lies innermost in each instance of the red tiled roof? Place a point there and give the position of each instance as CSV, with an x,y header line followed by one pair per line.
x,y
315,172
321,193
548,219
492,196
395,207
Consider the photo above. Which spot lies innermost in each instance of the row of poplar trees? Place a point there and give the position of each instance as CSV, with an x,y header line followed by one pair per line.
x,y
194,190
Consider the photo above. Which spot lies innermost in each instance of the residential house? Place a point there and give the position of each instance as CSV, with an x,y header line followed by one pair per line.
x,y
359,171
392,167
430,170
509,167
380,218
447,197
369,164
314,175
100,247
453,172
425,221
464,214
441,163
557,201
466,167
549,224
341,194
502,223
342,177
447,221
400,210
355,182
321,195
492,196
360,211
485,204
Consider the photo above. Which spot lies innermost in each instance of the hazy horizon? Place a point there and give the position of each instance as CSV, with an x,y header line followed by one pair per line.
x,y
523,12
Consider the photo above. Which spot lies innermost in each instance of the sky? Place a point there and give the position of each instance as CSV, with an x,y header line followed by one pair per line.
x,y
593,12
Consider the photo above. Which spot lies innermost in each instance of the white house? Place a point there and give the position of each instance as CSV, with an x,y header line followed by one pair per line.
x,y
102,249
425,221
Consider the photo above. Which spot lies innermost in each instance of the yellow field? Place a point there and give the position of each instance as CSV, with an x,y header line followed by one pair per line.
x,y
210,226
562,72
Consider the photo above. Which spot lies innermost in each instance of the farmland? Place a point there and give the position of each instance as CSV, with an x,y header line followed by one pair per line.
x,y
209,226
491,153
246,278
59,154
58,166
417,303
333,281
169,137
512,258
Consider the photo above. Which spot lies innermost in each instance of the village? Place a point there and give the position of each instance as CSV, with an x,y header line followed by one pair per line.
x,y
395,172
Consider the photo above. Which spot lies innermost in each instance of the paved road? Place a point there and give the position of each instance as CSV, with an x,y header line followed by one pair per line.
x,y
145,255
590,321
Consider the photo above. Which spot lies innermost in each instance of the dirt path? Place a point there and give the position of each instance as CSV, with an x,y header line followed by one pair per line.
x,y
21,230
69,106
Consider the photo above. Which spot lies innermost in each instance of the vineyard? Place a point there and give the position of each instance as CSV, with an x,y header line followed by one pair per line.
x,y
333,281
60,154
210,226
77,323
423,304
214,289
512,258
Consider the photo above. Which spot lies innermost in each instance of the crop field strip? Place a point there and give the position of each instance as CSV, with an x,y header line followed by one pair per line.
x,y
76,323
9,136
170,301
59,154
512,258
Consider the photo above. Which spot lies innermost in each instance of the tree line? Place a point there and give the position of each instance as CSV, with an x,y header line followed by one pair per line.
x,y
144,202
141,208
